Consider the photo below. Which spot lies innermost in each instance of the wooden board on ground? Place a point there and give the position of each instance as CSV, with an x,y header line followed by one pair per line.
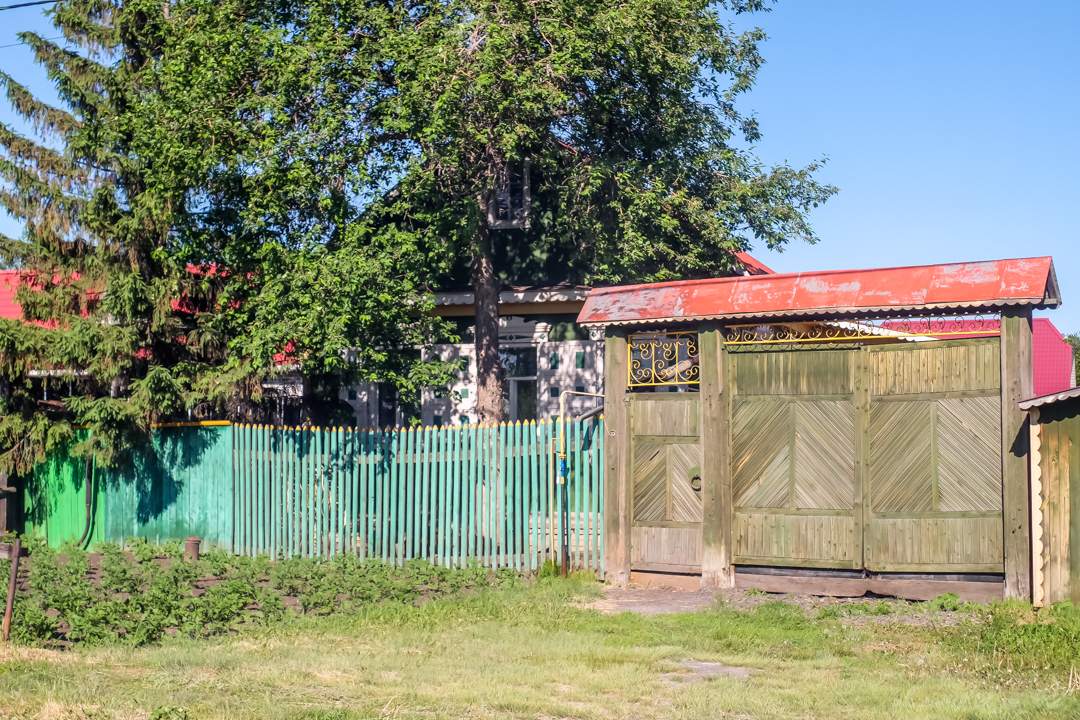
x,y
979,592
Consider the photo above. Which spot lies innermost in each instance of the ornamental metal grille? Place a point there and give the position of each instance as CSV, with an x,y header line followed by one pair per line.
x,y
665,358
921,328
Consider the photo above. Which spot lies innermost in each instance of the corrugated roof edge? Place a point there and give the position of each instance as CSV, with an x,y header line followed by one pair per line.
x,y
1050,297
824,312
1050,399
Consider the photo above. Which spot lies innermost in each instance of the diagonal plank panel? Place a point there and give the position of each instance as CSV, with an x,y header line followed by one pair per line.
x,y
650,481
685,501
969,455
825,455
901,476
760,460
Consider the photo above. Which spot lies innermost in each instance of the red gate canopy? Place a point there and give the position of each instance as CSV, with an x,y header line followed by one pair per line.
x,y
959,286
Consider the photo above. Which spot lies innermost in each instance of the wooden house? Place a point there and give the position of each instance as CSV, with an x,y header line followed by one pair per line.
x,y
775,432
1055,496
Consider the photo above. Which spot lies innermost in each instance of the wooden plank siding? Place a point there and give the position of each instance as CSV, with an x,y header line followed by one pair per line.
x,y
1056,450
1017,385
616,457
934,471
793,458
716,569
882,457
935,367
666,511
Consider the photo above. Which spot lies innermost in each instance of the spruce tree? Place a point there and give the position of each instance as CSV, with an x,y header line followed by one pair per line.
x,y
147,293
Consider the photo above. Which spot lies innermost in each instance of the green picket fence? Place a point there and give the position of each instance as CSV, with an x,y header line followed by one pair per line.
x,y
450,495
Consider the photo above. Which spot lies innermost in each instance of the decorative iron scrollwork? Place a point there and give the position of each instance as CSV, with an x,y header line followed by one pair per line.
x,y
663,359
860,330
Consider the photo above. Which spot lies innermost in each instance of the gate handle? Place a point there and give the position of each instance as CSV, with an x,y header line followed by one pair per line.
x,y
695,478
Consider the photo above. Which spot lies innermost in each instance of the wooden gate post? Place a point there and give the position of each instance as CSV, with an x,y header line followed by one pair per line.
x,y
1017,384
716,570
616,457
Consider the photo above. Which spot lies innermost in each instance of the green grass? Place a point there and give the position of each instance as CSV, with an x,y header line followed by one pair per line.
x,y
538,653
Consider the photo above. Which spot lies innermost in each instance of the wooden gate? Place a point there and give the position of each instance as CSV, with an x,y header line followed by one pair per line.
x,y
879,457
665,463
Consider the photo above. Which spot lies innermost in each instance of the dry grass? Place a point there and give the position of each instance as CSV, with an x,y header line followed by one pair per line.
x,y
531,654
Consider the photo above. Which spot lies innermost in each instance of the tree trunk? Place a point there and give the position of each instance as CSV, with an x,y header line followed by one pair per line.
x,y
486,286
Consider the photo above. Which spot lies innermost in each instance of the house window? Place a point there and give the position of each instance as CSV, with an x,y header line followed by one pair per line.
x,y
579,360
352,394
554,361
464,419
553,392
388,402
508,208
437,420
464,393
579,388
519,388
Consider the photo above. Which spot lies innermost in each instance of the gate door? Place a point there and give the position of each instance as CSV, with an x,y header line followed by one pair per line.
x,y
793,446
884,457
665,461
935,457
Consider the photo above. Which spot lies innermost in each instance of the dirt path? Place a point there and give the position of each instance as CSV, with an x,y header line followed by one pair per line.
x,y
652,601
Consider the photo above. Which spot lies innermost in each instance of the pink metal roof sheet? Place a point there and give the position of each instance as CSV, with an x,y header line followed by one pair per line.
x,y
1052,358
9,282
993,284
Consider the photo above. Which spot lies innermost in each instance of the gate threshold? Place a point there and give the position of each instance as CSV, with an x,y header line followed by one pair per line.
x,y
980,588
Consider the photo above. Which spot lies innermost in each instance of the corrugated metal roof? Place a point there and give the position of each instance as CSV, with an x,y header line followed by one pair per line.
x,y
1050,399
752,265
957,286
1052,357
9,282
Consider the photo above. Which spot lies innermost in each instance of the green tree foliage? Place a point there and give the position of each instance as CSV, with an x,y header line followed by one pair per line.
x,y
626,112
164,272
1074,340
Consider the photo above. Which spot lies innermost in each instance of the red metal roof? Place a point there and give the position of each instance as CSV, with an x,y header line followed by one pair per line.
x,y
753,265
9,282
993,284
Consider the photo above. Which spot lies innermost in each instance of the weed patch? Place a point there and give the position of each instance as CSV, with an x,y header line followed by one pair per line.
x,y
140,594
1013,635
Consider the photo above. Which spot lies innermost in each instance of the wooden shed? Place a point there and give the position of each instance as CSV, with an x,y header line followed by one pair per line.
x,y
835,432
1055,496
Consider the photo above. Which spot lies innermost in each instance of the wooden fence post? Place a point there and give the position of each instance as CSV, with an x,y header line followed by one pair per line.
x,y
716,569
1017,384
616,458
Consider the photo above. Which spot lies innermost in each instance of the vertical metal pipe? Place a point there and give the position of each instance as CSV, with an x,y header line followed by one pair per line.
x,y
599,464
578,538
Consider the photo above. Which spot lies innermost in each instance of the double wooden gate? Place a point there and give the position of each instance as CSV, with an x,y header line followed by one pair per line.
x,y
883,457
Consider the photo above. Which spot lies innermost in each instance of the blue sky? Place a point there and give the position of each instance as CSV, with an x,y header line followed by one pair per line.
x,y
951,130
950,127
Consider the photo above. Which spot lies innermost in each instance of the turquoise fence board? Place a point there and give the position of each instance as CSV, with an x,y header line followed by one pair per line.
x,y
451,495
177,487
